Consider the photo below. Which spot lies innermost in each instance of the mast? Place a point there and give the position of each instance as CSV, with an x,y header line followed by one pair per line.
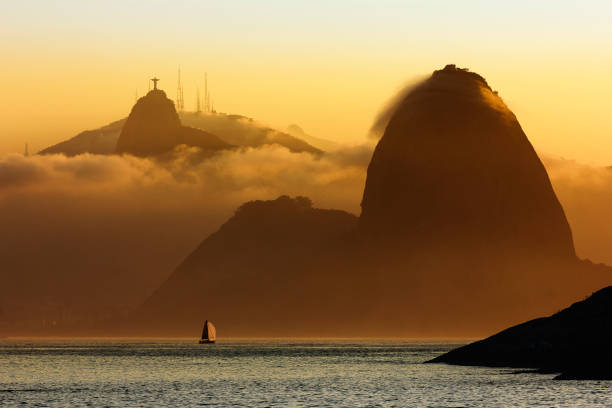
x,y
205,331
206,107
180,102
198,105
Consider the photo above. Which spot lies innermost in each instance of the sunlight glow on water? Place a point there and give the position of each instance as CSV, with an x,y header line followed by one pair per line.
x,y
268,374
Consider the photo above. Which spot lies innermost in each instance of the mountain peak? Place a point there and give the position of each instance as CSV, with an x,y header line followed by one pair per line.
x,y
151,126
455,168
451,70
154,127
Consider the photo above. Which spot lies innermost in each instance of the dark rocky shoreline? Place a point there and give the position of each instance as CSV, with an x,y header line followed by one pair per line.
x,y
574,342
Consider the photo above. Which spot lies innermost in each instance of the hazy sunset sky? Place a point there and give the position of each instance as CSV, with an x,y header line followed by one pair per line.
x,y
328,66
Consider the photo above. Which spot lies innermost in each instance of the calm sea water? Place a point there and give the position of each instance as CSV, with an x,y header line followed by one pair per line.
x,y
168,373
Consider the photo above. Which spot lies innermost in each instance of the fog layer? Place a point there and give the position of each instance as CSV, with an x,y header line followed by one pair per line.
x,y
96,231
105,231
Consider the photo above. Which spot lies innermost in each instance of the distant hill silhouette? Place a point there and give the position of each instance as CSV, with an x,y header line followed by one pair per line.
x,y
242,131
265,268
575,341
319,143
98,141
460,234
154,127
232,129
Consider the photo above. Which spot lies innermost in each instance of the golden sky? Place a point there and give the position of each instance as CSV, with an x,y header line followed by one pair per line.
x,y
327,66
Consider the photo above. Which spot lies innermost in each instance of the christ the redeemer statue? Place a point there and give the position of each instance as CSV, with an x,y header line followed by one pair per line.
x,y
154,79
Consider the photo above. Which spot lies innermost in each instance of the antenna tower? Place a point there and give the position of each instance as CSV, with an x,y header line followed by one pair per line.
x,y
198,105
180,101
206,95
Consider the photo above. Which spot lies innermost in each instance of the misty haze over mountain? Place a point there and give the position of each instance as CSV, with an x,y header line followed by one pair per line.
x,y
235,130
460,232
106,231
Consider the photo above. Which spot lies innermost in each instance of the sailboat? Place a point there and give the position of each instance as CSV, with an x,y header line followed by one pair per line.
x,y
209,333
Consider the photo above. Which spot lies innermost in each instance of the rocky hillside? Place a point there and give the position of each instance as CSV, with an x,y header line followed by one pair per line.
x,y
454,166
575,342
154,127
267,267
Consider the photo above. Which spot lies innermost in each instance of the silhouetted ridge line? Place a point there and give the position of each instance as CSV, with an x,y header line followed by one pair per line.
x,y
234,130
98,141
575,341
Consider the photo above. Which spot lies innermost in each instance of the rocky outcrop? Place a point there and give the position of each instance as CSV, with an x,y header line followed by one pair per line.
x,y
154,127
575,341
454,167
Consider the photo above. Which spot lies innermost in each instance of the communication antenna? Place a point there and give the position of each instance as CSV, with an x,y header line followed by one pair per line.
x,y
180,101
206,105
198,106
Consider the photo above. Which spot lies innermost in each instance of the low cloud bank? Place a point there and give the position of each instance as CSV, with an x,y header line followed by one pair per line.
x,y
92,232
585,192
107,230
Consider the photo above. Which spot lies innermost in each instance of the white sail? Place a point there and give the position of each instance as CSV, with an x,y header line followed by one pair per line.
x,y
212,332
